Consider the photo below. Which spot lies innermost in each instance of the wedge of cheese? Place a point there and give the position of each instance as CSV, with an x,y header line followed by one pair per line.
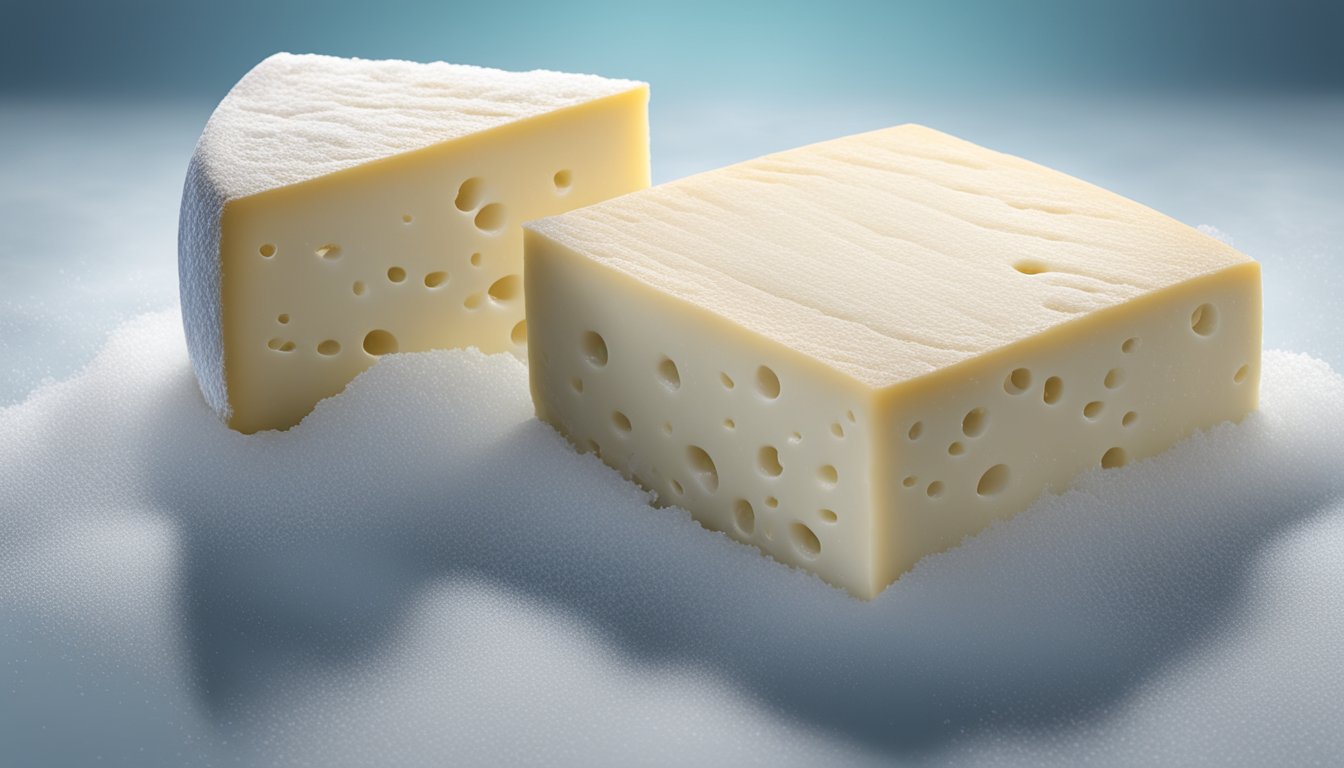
x,y
336,210
857,353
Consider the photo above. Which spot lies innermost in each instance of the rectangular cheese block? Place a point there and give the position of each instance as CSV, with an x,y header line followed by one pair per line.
x,y
856,353
338,210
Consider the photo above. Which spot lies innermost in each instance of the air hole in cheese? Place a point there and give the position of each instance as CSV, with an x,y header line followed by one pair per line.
x,y
744,517
506,288
702,468
767,458
1017,382
767,383
469,195
1054,390
1204,320
805,540
379,342
595,348
668,374
1115,457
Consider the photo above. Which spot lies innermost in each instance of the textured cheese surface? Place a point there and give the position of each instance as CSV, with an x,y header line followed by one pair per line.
x,y
858,353
324,190
298,117
891,254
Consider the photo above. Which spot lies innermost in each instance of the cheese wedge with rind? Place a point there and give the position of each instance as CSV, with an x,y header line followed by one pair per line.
x,y
338,209
857,353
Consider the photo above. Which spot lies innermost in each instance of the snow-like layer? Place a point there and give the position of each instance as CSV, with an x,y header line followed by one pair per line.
x,y
422,573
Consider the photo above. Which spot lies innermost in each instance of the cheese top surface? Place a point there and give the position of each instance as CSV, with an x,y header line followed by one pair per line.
x,y
891,254
293,118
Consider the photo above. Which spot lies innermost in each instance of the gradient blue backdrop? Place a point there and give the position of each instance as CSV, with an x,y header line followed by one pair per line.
x,y
794,48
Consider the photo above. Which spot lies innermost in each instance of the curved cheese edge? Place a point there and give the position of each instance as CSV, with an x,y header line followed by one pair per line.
x,y
297,117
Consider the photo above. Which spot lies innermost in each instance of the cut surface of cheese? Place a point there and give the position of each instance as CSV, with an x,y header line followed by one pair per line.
x,y
336,210
857,353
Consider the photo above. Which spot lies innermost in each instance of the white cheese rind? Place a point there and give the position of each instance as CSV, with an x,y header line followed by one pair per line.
x,y
304,121
839,383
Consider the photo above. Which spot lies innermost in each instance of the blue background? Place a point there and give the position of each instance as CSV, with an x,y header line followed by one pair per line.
x,y
771,50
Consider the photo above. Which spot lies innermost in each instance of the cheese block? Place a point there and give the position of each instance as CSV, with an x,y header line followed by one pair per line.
x,y
857,353
336,210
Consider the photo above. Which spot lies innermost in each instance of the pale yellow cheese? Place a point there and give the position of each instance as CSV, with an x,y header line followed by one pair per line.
x,y
857,353
350,209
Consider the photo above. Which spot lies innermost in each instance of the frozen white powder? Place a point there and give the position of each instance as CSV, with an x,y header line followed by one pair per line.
x,y
421,572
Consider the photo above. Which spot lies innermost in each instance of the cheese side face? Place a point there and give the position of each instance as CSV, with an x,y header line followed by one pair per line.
x,y
387,220
854,354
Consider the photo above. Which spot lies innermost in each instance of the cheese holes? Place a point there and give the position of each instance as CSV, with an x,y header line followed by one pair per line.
x,y
473,301
726,381
668,374
837,429
329,348
1114,378
519,333
284,319
491,218
358,288
435,279
1017,382
729,424
956,449
1054,390
1130,344
1030,267
1092,411
702,468
407,218
1114,458
828,476
767,383
1129,419
469,195
805,541
767,459
1204,320
910,481
915,430
993,481
576,384
330,252
744,517
1240,375
379,342
595,348
974,423
280,345
935,489
563,180
396,274
267,250
828,516
677,489
475,259
621,422
850,415
506,288
771,502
